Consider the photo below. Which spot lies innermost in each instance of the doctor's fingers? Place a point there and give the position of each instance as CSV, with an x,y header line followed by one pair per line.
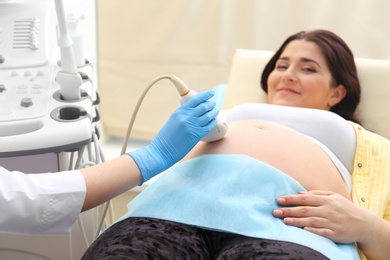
x,y
199,99
207,107
207,118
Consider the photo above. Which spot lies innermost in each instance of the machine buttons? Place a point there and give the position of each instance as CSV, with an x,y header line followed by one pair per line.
x,y
22,87
2,59
34,34
26,102
36,89
37,86
24,93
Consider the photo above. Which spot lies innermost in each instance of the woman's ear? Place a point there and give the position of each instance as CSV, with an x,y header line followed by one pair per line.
x,y
338,93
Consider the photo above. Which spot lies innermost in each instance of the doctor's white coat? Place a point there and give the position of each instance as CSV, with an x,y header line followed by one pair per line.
x,y
47,203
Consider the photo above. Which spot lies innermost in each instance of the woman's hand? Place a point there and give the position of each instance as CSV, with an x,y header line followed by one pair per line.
x,y
331,215
324,213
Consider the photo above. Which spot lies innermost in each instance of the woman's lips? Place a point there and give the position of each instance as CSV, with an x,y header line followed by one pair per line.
x,y
287,90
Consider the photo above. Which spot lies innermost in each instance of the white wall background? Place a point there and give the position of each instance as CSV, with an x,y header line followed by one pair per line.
x,y
195,40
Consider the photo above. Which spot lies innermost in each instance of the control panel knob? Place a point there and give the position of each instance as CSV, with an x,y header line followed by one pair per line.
x,y
26,102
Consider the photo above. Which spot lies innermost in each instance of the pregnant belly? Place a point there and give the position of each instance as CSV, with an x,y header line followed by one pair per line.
x,y
282,148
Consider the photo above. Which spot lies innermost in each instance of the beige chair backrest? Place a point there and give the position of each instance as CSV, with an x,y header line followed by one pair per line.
x,y
374,75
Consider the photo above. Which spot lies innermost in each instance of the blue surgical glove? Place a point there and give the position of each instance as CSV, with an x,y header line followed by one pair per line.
x,y
184,129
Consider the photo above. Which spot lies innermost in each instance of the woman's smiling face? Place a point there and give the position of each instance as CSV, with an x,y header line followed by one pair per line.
x,y
301,78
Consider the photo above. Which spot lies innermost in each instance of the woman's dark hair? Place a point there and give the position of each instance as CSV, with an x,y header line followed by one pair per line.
x,y
340,61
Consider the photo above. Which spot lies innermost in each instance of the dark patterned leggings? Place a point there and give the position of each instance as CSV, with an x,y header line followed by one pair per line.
x,y
147,238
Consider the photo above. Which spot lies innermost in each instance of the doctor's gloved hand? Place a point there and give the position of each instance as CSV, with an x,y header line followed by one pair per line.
x,y
184,129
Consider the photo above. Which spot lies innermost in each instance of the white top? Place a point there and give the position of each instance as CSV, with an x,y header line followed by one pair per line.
x,y
336,135
40,203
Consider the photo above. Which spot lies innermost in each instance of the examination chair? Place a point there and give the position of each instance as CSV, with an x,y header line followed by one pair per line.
x,y
374,75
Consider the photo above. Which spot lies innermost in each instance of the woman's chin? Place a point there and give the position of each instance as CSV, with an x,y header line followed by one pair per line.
x,y
285,103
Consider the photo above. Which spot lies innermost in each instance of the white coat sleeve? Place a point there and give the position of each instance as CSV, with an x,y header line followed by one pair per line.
x,y
47,203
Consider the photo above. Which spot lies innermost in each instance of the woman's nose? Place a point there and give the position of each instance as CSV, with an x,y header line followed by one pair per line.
x,y
289,75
